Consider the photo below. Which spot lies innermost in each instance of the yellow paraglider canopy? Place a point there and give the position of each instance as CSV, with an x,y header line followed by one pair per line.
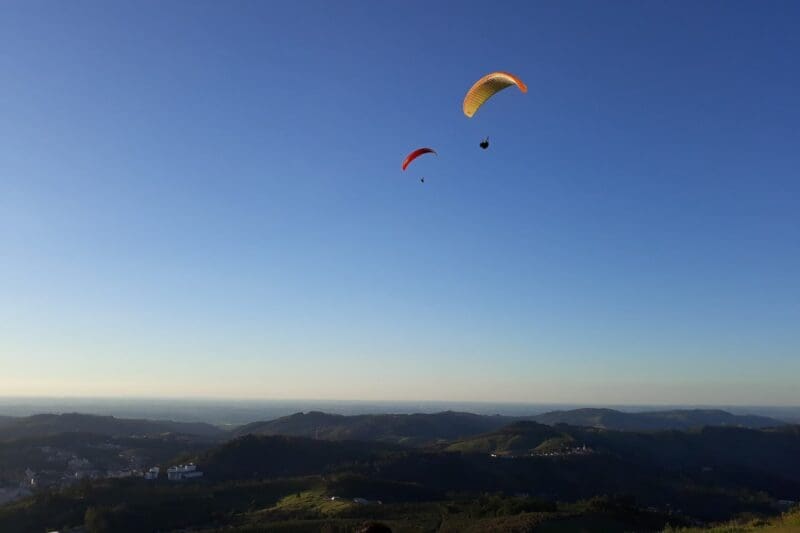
x,y
488,86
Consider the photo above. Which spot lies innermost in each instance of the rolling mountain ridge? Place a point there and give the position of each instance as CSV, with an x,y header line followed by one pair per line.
x,y
42,425
425,429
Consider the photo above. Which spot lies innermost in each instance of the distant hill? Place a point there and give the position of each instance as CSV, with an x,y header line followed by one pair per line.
x,y
425,429
414,429
51,424
260,456
771,451
516,439
654,420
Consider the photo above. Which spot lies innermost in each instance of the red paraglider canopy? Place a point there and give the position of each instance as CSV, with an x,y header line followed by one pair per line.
x,y
415,154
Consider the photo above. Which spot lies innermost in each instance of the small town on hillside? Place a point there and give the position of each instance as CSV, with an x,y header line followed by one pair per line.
x,y
66,468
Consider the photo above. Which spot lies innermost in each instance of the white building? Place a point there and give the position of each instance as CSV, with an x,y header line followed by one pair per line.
x,y
152,473
181,472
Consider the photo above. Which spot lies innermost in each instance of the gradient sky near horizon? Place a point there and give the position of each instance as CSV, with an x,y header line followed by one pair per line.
x,y
205,199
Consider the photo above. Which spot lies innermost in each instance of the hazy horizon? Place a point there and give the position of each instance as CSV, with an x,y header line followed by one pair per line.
x,y
237,412
205,200
244,400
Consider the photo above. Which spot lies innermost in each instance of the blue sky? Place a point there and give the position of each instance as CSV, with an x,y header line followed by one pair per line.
x,y
205,199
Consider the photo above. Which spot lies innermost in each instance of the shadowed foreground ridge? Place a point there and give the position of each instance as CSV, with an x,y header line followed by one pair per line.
x,y
521,476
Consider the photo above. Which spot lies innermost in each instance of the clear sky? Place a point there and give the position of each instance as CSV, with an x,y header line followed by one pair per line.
x,y
205,199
